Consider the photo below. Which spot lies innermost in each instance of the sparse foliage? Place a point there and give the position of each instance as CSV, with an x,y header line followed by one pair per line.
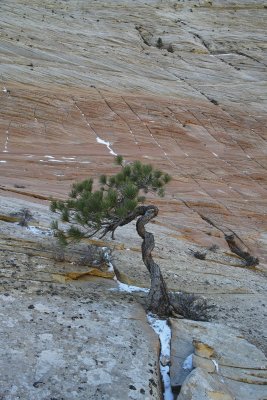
x,y
92,212
159,43
58,252
116,202
191,306
198,254
96,256
170,48
213,248
24,216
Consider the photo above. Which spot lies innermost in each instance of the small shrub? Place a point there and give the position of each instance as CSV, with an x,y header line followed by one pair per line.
x,y
170,48
213,101
191,306
24,216
214,248
58,252
96,256
159,43
198,254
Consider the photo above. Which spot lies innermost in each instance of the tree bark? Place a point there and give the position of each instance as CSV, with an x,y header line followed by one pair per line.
x,y
158,299
232,241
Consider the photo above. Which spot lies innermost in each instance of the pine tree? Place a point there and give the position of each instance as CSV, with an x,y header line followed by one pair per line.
x,y
119,200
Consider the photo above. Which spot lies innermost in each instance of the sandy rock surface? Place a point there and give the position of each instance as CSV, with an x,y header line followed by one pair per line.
x,y
66,331
181,85
57,311
82,81
224,362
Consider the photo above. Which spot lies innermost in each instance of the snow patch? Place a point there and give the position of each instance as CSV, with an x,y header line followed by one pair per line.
x,y
163,330
123,287
101,141
41,307
188,362
216,366
38,231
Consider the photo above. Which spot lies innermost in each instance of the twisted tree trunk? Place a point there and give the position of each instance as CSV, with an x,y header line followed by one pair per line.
x,y
158,299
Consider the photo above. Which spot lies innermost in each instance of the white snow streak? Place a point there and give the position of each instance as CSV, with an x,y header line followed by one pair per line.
x,y
160,326
123,287
98,139
101,141
6,142
163,330
216,365
188,362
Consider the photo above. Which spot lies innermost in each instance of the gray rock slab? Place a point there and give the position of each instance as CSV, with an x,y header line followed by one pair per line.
x,y
67,342
200,385
223,353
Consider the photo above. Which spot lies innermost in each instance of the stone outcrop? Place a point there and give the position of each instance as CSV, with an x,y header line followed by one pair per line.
x,y
179,84
226,365
74,73
203,386
66,331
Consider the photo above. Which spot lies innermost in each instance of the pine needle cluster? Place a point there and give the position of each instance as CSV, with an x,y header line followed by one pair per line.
x,y
90,211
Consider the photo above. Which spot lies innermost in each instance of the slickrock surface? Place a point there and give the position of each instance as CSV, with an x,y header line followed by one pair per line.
x,y
225,363
57,311
179,84
72,72
66,332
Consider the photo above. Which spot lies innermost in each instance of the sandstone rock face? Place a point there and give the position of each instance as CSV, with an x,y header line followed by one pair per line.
x,y
83,81
202,386
66,332
227,366
72,73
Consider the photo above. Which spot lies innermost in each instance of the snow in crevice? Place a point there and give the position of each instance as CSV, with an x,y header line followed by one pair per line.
x,y
6,142
163,330
188,363
101,141
216,365
123,287
98,139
